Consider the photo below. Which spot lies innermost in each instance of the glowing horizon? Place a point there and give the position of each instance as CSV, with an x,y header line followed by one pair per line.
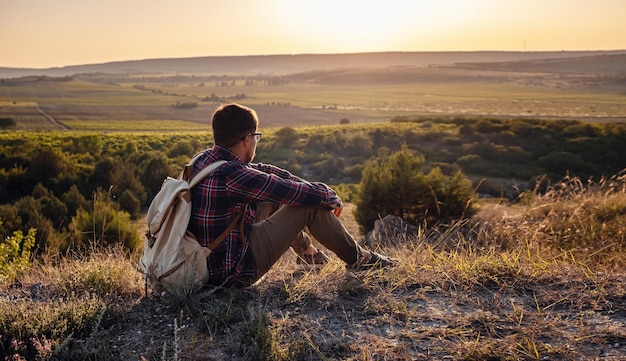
x,y
43,33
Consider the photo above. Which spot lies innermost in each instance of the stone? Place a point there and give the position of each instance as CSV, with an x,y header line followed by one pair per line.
x,y
389,231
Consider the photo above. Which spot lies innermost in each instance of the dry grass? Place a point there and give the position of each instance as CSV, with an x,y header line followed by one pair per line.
x,y
541,280
582,222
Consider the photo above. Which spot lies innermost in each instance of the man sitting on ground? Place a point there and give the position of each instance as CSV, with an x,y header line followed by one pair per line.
x,y
274,205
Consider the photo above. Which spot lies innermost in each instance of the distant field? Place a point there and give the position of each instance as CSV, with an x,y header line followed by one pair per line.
x,y
26,115
435,99
128,102
155,125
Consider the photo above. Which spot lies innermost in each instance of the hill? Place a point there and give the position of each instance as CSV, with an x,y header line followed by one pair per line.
x,y
286,64
598,64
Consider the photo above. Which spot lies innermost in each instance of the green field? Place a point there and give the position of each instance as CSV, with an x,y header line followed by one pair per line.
x,y
106,102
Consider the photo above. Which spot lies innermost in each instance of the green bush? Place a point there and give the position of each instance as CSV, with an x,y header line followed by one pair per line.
x,y
558,162
15,254
286,137
396,185
8,123
102,226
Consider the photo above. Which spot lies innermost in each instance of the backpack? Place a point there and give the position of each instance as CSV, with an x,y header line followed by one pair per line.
x,y
172,258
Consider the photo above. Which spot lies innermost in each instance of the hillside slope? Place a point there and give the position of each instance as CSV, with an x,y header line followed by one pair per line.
x,y
286,64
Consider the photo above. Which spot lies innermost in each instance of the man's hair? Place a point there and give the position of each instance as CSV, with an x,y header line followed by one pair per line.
x,y
232,122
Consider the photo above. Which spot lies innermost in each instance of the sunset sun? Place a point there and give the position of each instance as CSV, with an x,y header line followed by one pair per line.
x,y
354,24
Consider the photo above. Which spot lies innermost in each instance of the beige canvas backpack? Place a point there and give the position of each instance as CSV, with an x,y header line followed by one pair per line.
x,y
172,258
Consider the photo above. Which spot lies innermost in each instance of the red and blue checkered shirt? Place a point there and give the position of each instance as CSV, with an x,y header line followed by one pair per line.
x,y
225,192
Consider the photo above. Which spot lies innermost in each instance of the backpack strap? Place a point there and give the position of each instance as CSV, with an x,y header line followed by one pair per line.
x,y
216,242
188,171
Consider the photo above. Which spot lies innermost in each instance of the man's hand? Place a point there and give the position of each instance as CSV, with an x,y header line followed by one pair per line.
x,y
337,211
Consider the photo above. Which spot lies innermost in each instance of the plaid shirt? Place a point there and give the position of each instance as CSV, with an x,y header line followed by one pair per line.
x,y
225,192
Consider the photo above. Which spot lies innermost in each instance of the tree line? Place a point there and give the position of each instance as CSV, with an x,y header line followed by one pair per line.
x,y
78,190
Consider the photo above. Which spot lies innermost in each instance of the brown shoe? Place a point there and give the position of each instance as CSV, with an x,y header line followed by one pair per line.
x,y
308,262
376,261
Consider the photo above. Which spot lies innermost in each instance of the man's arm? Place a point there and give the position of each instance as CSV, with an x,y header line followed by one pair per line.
x,y
254,184
272,169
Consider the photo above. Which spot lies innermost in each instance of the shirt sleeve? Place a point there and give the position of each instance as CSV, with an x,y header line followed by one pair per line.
x,y
280,172
260,182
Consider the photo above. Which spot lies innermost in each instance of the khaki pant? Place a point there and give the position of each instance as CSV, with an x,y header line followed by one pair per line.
x,y
276,228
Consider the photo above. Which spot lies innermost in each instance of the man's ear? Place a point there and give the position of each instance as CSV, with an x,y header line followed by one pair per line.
x,y
247,139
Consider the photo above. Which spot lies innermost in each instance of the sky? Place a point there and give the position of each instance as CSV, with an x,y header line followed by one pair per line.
x,y
55,33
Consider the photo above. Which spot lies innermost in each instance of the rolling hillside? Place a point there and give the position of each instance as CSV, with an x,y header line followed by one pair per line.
x,y
318,89
286,64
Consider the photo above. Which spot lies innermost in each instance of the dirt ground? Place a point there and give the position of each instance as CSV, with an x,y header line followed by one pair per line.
x,y
340,315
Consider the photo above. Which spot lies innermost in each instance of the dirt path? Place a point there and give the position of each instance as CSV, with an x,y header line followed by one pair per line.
x,y
51,119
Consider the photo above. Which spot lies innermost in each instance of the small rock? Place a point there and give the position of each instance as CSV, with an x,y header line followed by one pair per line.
x,y
388,230
34,290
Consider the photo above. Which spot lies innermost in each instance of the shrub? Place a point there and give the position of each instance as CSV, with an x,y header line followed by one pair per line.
x,y
473,163
560,163
189,105
286,137
396,185
6,123
181,149
490,126
15,254
103,226
358,145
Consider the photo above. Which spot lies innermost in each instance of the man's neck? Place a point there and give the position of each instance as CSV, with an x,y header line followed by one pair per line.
x,y
239,151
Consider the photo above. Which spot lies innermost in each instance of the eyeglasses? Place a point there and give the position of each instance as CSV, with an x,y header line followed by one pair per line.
x,y
257,136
